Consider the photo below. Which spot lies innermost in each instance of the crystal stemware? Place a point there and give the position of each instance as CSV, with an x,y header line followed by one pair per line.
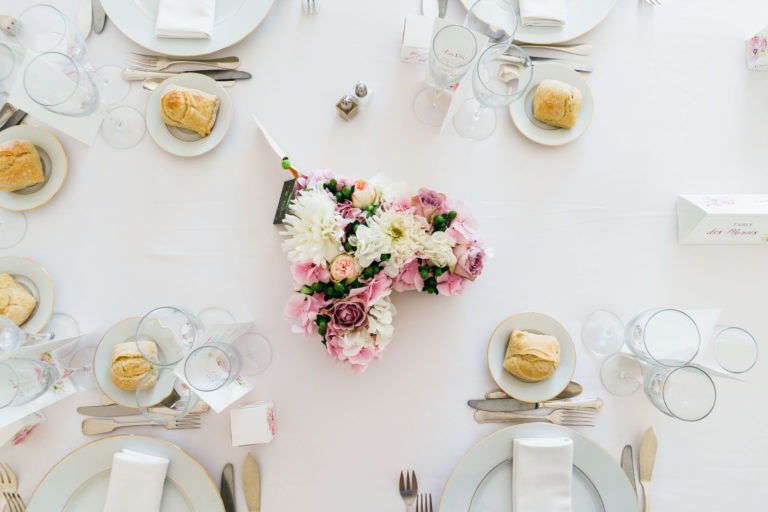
x,y
212,366
686,393
151,399
24,380
502,75
173,329
734,349
453,50
12,337
496,19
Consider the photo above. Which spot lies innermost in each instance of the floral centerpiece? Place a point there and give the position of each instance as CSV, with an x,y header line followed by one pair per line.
x,y
352,243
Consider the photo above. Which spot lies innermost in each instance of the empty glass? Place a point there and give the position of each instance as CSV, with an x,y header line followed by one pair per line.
x,y
60,84
12,337
734,348
255,353
452,52
43,28
173,329
23,380
665,337
502,75
7,63
496,19
212,366
686,393
602,332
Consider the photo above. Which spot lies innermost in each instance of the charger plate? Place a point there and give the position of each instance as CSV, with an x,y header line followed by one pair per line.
x,y
78,482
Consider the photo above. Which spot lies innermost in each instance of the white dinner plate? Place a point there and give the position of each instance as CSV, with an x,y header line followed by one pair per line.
x,y
54,161
582,16
522,110
122,331
234,20
32,276
178,141
78,482
482,478
531,391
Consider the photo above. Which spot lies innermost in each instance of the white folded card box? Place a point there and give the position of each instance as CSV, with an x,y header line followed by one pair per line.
x,y
722,219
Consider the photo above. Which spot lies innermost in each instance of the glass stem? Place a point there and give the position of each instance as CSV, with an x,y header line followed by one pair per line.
x,y
436,97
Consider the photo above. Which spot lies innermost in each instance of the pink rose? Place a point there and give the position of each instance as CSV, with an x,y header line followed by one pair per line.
x,y
303,309
307,273
347,314
408,278
399,205
349,213
469,261
364,194
428,203
343,268
450,284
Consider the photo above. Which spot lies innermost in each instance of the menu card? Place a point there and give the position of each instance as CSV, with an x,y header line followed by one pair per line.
x,y
722,219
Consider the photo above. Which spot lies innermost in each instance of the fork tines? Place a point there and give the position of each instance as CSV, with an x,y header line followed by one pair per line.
x,y
424,502
409,487
14,502
577,417
190,421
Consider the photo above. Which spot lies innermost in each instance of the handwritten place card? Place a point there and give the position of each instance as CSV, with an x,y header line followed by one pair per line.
x,y
722,219
757,51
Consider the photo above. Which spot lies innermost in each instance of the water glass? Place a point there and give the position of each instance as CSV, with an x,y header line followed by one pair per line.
x,y
7,61
43,28
212,366
734,348
496,19
12,337
62,85
23,380
686,393
173,329
665,337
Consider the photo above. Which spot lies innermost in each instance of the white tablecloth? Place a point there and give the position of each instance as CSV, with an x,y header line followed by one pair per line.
x,y
585,226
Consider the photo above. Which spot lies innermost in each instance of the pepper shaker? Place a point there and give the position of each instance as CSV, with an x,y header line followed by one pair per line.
x,y
347,107
362,94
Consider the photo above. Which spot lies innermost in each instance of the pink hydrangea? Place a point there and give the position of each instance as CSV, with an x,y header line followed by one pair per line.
x,y
307,273
408,278
303,310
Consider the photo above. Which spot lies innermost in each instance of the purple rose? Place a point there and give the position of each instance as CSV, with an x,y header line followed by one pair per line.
x,y
428,203
469,261
348,314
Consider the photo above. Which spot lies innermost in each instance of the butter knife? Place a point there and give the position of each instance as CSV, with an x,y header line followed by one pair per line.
x,y
227,487
116,411
252,484
512,405
576,66
99,16
647,460
628,466
10,116
84,18
216,74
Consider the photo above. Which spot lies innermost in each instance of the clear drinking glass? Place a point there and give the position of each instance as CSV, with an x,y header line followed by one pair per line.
x,y
7,62
602,332
60,84
24,380
734,348
496,19
212,366
621,374
686,393
255,353
452,52
173,329
161,407
12,337
502,75
43,28
665,337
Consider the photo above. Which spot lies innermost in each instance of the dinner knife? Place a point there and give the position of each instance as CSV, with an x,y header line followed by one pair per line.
x,y
216,74
84,18
628,466
115,410
512,405
251,484
646,461
227,487
576,66
573,389
99,16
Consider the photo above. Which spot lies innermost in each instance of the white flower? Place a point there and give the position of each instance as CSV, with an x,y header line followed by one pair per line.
x,y
313,228
402,233
380,321
370,244
438,249
390,190
352,342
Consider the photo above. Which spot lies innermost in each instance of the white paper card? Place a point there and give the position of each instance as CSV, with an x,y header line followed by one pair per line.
x,y
722,219
757,51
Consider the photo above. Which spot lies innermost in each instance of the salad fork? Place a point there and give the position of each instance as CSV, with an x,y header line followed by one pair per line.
x,y
576,417
8,486
158,63
409,488
424,503
92,426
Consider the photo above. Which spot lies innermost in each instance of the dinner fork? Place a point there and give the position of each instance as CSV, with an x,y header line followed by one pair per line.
x,y
653,2
409,488
8,486
558,416
93,426
424,503
309,6
159,63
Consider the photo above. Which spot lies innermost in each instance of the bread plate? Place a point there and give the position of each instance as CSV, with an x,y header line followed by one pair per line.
x,y
178,141
522,110
124,330
531,391
32,276
54,161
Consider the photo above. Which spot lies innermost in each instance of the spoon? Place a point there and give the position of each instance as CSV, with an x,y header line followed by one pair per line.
x,y
8,24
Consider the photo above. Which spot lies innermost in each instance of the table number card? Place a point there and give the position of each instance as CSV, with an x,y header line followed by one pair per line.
x,y
722,219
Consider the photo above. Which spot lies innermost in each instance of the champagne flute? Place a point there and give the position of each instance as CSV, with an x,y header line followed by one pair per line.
x,y
12,337
494,86
173,329
452,52
496,19
24,380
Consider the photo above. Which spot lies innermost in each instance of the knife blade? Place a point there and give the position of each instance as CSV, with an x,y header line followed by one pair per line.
x,y
84,18
251,484
512,405
10,116
99,16
573,389
115,410
227,487
216,74
576,66
628,466
442,8
272,142
647,460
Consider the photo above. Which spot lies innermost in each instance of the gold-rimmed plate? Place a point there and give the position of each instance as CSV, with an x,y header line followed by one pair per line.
x,y
53,159
78,482
538,323
32,276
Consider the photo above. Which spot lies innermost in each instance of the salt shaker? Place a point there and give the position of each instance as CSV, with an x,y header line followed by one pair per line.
x,y
347,107
362,94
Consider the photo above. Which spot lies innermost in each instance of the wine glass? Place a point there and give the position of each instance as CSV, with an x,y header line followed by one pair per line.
x,y
496,19
212,366
501,76
255,353
7,65
24,380
215,315
12,337
734,348
452,52
173,329
60,84
686,393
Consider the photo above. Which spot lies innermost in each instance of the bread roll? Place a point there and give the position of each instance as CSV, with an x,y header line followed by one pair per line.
x,y
128,367
557,103
189,108
20,165
16,303
532,357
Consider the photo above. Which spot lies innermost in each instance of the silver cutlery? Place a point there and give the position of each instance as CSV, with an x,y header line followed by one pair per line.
x,y
8,486
409,488
309,6
117,411
573,48
99,16
653,2
628,466
216,74
93,426
442,8
84,18
512,405
8,25
424,503
512,69
150,84
227,487
252,483
558,417
146,62
10,116
647,459
572,390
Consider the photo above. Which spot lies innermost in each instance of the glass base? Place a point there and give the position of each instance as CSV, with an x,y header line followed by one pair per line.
x,y
256,353
602,333
430,106
474,121
13,227
123,127
62,326
81,365
109,81
621,374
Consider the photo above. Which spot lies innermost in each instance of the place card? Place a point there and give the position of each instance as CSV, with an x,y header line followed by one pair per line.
x,y
417,39
253,423
757,51
722,219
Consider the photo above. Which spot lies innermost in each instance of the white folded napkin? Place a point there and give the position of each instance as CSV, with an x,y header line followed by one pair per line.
x,y
136,482
541,475
188,19
542,13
